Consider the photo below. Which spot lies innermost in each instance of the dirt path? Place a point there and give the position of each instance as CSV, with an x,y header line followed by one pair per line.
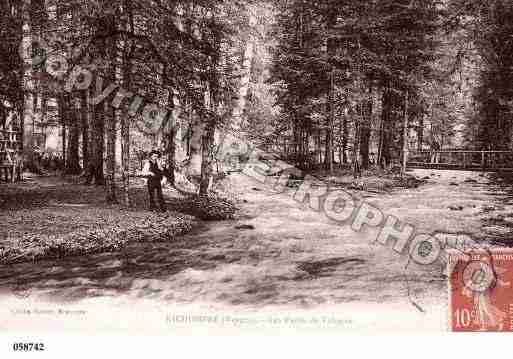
x,y
287,257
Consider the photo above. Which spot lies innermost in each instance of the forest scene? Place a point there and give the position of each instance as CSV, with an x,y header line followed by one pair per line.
x,y
253,155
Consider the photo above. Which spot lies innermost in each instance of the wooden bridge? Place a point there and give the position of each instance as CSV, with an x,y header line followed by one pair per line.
x,y
462,160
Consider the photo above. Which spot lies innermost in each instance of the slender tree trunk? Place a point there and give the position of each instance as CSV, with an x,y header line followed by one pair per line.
x,y
366,130
44,117
306,147
356,146
28,81
420,133
170,134
84,111
405,134
345,136
330,117
64,137
381,139
124,116
295,134
91,144
188,136
319,148
384,145
171,153
63,119
99,146
207,159
246,69
72,158
364,145
125,157
340,159
110,117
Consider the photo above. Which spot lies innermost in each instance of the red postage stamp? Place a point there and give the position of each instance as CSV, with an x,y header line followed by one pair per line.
x,y
481,290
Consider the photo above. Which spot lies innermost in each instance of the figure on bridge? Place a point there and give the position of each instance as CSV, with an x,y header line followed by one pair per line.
x,y
435,147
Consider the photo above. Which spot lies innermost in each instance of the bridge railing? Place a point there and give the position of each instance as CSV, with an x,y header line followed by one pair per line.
x,y
462,159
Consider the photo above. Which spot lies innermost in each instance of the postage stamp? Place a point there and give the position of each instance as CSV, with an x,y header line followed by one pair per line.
x,y
481,291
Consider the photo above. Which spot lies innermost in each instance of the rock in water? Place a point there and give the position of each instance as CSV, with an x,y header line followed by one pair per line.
x,y
456,208
212,208
245,226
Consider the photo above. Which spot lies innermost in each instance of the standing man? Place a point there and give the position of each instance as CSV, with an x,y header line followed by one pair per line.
x,y
154,172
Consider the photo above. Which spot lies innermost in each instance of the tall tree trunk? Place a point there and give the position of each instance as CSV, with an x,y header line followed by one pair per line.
x,y
384,143
64,138
340,143
63,118
295,135
111,114
110,117
170,134
319,147
381,132
365,132
345,136
420,133
95,172
99,145
103,49
364,146
171,152
345,128
125,157
28,81
207,141
356,146
306,148
84,111
246,71
126,74
405,134
72,158
207,159
91,144
330,115
195,153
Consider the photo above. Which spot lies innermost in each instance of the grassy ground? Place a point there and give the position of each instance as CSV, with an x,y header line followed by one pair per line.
x,y
49,217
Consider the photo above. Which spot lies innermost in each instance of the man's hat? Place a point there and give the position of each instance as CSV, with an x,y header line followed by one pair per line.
x,y
155,152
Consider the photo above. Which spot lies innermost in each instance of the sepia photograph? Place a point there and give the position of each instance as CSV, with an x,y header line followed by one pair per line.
x,y
239,166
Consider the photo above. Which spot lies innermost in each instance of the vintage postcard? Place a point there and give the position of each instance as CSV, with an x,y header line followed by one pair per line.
x,y
232,166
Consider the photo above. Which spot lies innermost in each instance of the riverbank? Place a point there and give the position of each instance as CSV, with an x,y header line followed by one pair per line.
x,y
51,218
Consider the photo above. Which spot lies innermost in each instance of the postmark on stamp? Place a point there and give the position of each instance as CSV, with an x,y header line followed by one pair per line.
x,y
481,290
